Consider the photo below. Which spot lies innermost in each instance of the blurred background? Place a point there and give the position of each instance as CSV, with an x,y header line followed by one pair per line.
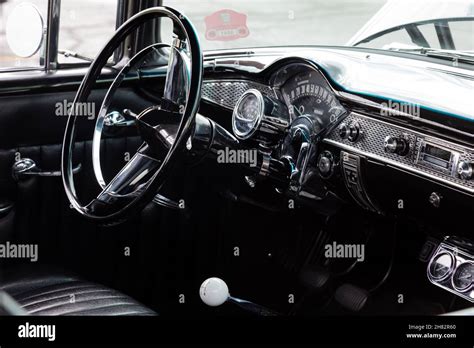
x,y
86,25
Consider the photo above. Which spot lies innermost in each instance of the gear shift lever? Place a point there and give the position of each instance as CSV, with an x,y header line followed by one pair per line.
x,y
214,292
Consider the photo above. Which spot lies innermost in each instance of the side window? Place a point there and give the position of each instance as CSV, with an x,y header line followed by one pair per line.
x,y
429,33
8,59
463,33
85,26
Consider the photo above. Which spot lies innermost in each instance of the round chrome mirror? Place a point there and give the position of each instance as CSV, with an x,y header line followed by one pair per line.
x,y
25,30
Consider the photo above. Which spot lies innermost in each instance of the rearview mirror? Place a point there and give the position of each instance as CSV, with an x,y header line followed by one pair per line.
x,y
25,30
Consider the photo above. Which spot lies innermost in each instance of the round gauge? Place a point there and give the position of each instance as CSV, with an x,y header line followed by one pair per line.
x,y
441,266
308,94
463,276
248,113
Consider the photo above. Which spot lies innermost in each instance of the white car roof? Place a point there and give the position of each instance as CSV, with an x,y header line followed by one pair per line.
x,y
399,12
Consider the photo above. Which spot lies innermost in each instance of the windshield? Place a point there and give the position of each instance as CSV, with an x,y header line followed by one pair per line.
x,y
380,24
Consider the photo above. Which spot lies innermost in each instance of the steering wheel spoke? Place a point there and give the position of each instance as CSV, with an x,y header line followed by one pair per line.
x,y
164,130
159,138
131,178
129,183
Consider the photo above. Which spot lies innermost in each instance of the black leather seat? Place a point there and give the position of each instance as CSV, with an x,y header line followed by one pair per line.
x,y
47,293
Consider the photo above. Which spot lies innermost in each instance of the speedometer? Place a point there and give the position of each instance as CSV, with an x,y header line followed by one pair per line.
x,y
307,93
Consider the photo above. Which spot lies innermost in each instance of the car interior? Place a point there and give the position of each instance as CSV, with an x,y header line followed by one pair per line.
x,y
160,178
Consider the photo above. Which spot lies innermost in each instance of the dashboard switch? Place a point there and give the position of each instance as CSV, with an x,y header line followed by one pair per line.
x,y
355,132
344,131
465,170
351,170
326,164
396,145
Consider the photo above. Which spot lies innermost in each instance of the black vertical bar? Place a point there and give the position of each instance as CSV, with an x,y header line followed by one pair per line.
x,y
444,35
416,36
52,35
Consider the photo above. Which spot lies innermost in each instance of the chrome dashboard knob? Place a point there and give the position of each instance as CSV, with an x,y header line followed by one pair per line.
x,y
326,164
396,145
355,132
344,130
351,132
465,170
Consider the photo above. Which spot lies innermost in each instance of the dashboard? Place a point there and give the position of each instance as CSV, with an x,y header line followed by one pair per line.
x,y
304,91
390,158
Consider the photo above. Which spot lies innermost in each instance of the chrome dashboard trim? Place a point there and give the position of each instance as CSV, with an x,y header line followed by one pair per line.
x,y
261,109
341,65
398,165
212,87
459,256
422,171
226,92
395,113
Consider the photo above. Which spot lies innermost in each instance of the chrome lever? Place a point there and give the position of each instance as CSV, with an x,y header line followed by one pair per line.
x,y
116,119
26,166
166,202
296,177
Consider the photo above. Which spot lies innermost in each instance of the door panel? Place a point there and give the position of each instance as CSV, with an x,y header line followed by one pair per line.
x,y
170,250
31,119
31,129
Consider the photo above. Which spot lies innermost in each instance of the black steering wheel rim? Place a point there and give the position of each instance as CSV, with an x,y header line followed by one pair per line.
x,y
186,30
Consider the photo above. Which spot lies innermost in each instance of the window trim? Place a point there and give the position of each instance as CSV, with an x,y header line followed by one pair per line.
x,y
52,35
68,76
420,23
48,60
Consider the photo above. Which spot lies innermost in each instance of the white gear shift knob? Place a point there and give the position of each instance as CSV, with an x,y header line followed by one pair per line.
x,y
214,292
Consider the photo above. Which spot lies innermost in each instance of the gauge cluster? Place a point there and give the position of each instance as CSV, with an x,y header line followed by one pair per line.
x,y
247,114
261,117
286,119
307,93
295,91
452,267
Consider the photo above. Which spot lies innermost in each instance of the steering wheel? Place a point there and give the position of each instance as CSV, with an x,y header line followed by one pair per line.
x,y
137,183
